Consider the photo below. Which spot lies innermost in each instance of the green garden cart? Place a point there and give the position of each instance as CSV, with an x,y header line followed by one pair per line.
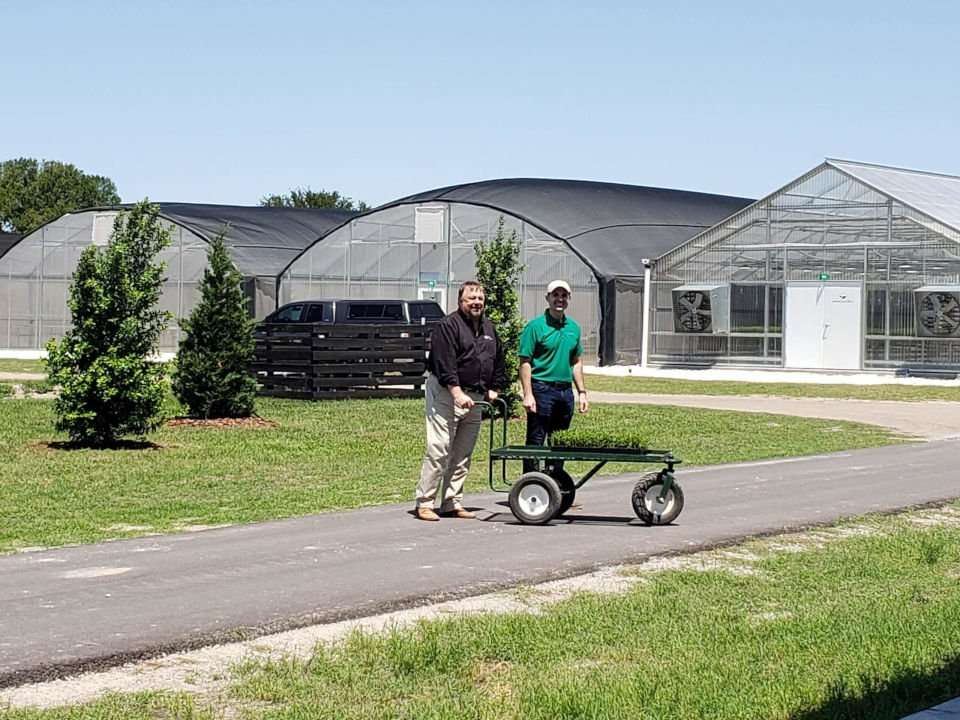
x,y
539,496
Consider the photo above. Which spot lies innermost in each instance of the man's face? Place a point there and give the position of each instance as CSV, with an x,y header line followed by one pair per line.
x,y
471,302
558,300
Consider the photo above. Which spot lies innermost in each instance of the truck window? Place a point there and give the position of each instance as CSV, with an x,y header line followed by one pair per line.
x,y
428,310
317,313
375,311
289,314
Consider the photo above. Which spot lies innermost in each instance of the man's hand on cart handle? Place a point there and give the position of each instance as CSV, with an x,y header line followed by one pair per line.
x,y
460,398
492,395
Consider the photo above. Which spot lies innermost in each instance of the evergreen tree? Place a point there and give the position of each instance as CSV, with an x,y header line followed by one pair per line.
x,y
213,378
499,270
109,387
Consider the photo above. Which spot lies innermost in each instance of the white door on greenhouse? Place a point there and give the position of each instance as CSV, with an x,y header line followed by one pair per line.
x,y
822,326
438,295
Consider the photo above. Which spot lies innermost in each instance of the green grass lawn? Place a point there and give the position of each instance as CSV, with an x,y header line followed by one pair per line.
x,y
668,386
867,627
862,623
322,456
22,366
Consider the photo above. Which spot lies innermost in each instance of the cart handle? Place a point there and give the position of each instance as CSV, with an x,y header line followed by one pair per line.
x,y
492,407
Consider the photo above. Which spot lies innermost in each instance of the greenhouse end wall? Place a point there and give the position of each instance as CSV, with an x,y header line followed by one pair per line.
x,y
37,272
826,229
427,251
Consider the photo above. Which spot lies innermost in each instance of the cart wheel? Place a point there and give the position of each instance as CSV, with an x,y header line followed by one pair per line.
x,y
534,498
647,506
568,488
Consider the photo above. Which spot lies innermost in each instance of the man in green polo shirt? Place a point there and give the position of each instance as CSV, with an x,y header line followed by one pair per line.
x,y
550,360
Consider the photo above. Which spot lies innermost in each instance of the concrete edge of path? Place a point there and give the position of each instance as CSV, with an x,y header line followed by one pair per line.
x,y
908,418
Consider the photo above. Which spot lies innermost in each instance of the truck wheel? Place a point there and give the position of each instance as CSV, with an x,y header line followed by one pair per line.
x,y
649,508
534,498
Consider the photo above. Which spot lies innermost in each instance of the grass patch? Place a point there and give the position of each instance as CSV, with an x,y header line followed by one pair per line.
x,y
321,456
6,389
22,366
669,386
147,705
864,627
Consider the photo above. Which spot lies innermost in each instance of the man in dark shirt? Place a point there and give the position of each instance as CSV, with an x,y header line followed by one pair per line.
x,y
465,365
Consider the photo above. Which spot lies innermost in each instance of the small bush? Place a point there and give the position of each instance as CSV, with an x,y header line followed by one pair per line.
x,y
212,376
109,388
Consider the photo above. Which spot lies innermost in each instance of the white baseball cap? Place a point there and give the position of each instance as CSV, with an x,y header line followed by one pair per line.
x,y
558,284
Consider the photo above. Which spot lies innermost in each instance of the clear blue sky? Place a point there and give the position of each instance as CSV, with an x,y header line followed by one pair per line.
x,y
228,101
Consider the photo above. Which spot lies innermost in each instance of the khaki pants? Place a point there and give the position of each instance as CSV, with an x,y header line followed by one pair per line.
x,y
451,434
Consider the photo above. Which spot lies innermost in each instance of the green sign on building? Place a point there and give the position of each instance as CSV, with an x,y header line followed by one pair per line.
x,y
823,276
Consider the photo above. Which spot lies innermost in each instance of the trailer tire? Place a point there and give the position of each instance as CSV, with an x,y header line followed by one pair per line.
x,y
535,498
645,504
568,488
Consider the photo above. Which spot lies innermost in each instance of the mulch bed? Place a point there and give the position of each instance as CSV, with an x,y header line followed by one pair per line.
x,y
254,423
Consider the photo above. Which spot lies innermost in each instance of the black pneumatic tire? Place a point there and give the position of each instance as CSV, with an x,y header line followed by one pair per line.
x,y
534,498
568,489
644,497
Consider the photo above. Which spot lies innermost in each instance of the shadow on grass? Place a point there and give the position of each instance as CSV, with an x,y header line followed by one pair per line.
x,y
118,445
905,694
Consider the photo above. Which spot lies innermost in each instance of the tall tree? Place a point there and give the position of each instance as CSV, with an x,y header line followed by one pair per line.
x,y
109,387
213,378
307,198
34,192
498,270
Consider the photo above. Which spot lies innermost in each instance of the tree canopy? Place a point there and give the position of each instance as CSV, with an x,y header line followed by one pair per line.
x,y
34,192
307,198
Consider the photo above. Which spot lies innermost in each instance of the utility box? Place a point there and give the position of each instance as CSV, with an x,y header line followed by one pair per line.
x,y
701,308
938,311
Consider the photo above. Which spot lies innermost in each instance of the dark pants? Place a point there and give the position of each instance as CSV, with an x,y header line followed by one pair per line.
x,y
554,412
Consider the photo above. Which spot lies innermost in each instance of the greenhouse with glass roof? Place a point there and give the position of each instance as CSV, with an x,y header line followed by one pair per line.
x,y
35,271
597,236
852,266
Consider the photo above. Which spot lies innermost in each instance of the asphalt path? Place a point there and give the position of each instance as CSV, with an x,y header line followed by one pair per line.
x,y
93,606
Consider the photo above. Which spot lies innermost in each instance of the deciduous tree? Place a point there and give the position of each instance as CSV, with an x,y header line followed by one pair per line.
x,y
307,198
34,192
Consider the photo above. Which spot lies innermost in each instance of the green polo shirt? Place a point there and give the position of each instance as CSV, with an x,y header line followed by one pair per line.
x,y
553,347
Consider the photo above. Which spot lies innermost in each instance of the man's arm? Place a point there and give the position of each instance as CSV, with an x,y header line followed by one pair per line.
x,y
526,383
443,354
583,403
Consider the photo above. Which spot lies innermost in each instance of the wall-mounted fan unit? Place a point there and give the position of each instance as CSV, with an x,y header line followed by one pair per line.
x,y
938,311
701,309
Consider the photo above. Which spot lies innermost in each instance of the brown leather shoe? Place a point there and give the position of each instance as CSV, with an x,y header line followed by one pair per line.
x,y
464,514
425,513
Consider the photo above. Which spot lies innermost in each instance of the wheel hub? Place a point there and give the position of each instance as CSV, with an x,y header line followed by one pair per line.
x,y
534,500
